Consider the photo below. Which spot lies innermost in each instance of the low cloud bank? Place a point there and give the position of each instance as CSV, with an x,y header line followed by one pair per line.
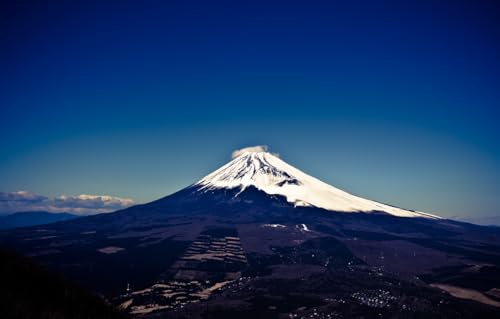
x,y
11,202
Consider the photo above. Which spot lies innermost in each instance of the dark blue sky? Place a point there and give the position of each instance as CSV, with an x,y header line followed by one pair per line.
x,y
396,101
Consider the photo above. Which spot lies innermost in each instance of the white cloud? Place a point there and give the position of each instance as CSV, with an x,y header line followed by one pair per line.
x,y
21,196
257,148
84,204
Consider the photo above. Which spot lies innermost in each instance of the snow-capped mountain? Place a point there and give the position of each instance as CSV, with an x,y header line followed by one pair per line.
x,y
270,174
258,223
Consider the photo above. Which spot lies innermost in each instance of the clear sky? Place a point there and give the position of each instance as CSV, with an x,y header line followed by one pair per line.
x,y
396,101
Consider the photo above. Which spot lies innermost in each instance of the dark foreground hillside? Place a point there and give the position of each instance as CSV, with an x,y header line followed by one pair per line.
x,y
28,290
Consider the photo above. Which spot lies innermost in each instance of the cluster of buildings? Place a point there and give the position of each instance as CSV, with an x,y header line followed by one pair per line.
x,y
374,298
314,314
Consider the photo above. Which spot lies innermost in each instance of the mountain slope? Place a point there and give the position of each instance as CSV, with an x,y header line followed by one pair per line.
x,y
270,174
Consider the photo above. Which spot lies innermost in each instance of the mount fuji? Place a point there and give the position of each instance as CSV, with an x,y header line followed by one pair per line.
x,y
270,174
260,238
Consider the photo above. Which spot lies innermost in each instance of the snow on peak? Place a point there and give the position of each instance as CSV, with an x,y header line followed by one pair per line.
x,y
268,173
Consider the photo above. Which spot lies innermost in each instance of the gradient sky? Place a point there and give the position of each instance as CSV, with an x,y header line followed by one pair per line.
x,y
396,101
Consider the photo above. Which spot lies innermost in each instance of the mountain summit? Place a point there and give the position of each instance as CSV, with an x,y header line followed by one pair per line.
x,y
270,174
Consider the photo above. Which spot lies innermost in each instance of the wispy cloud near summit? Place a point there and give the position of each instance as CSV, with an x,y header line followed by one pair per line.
x,y
256,148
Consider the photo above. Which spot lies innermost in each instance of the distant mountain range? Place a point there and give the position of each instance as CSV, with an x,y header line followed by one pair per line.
x,y
485,220
26,219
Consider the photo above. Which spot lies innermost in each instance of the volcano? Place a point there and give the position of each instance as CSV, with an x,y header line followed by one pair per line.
x,y
253,172
258,237
268,173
